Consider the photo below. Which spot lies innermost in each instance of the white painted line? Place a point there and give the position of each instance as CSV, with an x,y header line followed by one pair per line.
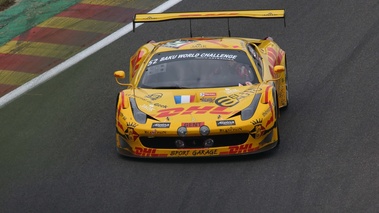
x,y
78,57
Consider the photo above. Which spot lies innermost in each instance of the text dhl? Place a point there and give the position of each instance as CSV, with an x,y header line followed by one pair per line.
x,y
147,152
218,110
239,149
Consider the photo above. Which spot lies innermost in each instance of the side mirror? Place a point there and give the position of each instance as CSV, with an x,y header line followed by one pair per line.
x,y
279,69
120,75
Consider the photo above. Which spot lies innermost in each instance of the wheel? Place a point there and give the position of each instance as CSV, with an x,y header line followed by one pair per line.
x,y
277,122
287,93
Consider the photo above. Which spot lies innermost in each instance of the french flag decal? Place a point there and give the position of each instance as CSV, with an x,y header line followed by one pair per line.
x,y
182,99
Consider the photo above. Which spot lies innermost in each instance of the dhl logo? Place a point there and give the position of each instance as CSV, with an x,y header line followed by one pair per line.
x,y
147,152
240,149
218,110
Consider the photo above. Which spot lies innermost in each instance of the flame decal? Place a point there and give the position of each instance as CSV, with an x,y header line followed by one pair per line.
x,y
136,60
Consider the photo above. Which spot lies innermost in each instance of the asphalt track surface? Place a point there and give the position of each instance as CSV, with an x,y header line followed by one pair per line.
x,y
57,151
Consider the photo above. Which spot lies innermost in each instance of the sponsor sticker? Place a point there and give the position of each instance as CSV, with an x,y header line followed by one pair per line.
x,y
218,110
193,124
160,125
207,100
147,152
203,152
154,96
240,149
207,152
205,94
231,129
226,123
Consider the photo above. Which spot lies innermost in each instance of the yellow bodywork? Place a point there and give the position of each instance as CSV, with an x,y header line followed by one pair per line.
x,y
219,109
171,116
153,17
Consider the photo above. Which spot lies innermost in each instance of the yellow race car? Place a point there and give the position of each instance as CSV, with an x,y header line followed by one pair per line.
x,y
202,96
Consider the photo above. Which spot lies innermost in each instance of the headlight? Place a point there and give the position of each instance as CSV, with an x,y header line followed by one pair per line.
x,y
204,130
138,115
182,131
249,111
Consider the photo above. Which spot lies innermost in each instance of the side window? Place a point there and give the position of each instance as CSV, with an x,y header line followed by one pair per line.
x,y
256,57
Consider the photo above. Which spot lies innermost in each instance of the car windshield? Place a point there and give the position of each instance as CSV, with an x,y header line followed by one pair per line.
x,y
198,69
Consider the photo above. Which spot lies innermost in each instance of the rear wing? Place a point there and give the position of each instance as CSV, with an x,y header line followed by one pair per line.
x,y
157,17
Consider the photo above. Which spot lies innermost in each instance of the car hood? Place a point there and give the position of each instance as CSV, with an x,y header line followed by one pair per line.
x,y
180,103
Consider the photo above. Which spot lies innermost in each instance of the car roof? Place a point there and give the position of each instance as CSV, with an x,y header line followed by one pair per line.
x,y
201,43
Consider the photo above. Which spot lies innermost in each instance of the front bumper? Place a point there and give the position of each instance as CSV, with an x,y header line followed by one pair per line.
x,y
136,149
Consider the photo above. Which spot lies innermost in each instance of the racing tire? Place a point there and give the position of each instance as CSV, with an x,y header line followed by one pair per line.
x,y
277,122
287,93
278,132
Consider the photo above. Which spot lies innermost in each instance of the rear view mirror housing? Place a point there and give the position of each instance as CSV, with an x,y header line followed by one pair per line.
x,y
120,74
279,69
